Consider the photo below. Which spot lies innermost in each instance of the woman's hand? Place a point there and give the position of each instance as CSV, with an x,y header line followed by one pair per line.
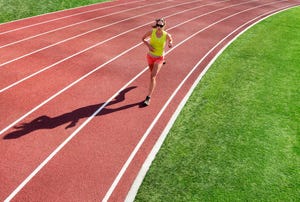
x,y
170,40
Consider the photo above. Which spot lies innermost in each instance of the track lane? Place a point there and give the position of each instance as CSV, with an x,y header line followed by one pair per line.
x,y
142,83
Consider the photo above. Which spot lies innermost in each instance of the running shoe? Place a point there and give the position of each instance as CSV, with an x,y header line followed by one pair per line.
x,y
147,101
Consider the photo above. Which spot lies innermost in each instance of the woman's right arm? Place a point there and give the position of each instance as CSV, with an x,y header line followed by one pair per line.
x,y
148,34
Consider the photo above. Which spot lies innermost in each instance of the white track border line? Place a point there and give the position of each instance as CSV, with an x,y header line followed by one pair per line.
x,y
83,77
106,40
68,16
81,22
146,165
96,112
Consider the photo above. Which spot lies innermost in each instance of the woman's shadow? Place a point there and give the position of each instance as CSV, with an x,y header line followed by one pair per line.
x,y
45,122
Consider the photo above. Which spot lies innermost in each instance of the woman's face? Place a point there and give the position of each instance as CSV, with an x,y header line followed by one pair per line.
x,y
160,24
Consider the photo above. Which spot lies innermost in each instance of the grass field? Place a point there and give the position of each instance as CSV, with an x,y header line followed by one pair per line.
x,y
17,9
238,137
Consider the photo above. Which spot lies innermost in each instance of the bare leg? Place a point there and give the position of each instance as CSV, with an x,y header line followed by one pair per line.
x,y
156,68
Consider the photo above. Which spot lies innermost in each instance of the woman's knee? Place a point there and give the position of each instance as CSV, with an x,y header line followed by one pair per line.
x,y
153,76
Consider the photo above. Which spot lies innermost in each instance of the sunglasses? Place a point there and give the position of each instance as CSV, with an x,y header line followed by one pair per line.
x,y
161,26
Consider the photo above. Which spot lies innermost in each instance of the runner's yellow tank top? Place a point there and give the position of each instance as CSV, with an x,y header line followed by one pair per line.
x,y
158,43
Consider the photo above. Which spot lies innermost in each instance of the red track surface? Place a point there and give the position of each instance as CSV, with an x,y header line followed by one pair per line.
x,y
72,83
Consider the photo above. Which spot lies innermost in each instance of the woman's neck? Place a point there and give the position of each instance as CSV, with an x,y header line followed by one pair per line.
x,y
159,31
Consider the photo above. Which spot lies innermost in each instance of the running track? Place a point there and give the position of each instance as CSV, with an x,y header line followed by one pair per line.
x,y
72,82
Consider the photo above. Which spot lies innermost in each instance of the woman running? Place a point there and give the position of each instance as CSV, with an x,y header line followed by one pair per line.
x,y
155,57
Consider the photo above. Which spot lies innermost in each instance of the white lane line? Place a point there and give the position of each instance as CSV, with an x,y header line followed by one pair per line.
x,y
68,16
81,22
66,141
79,35
60,61
93,30
75,82
95,45
136,149
78,80
146,165
96,112
66,88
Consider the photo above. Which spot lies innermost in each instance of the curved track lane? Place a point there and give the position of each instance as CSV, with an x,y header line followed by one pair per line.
x,y
77,131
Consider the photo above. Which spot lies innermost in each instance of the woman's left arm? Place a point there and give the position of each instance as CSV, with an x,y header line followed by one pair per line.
x,y
170,40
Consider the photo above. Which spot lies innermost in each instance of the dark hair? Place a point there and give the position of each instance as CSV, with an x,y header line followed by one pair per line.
x,y
157,20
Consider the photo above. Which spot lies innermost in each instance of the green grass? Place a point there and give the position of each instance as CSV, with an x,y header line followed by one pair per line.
x,y
17,9
238,137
